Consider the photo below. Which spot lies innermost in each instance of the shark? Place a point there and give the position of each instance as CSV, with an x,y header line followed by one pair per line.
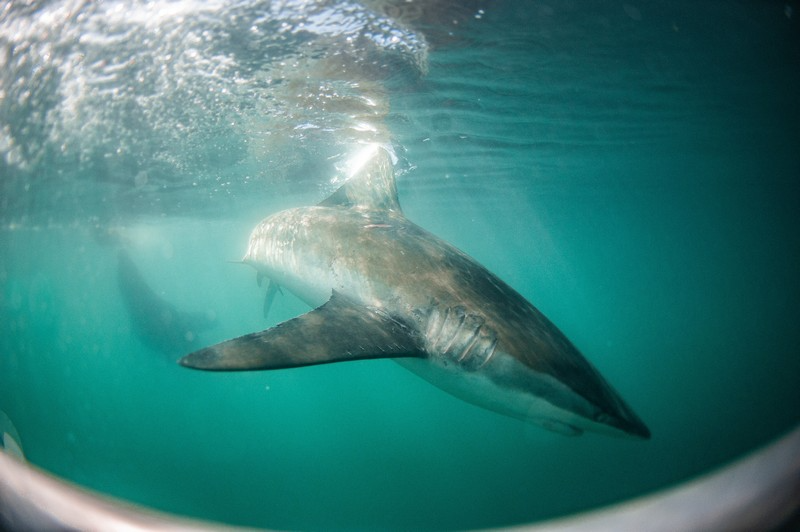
x,y
158,323
382,287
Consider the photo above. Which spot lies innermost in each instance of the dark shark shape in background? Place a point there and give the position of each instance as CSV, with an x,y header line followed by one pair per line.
x,y
158,324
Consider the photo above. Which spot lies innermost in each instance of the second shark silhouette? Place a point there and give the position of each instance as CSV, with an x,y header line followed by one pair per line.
x,y
158,323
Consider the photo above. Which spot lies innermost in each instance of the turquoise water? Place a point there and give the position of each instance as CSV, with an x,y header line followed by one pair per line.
x,y
632,169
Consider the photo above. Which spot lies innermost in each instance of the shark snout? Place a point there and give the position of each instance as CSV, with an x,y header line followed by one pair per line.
x,y
630,424
620,417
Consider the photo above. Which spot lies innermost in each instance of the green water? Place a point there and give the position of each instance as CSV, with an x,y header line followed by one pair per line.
x,y
632,170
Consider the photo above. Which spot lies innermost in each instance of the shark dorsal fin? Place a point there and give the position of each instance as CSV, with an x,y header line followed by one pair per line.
x,y
371,187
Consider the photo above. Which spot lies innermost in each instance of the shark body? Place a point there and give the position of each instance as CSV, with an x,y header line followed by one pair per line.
x,y
158,324
383,287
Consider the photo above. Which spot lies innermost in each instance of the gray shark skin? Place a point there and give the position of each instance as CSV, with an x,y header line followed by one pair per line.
x,y
157,323
383,287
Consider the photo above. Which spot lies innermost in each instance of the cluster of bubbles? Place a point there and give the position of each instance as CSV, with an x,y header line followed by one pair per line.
x,y
154,95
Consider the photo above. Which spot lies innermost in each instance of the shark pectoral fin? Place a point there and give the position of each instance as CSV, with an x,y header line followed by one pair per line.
x,y
269,297
338,331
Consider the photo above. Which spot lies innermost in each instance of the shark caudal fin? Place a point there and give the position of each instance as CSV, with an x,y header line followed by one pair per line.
x,y
338,331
